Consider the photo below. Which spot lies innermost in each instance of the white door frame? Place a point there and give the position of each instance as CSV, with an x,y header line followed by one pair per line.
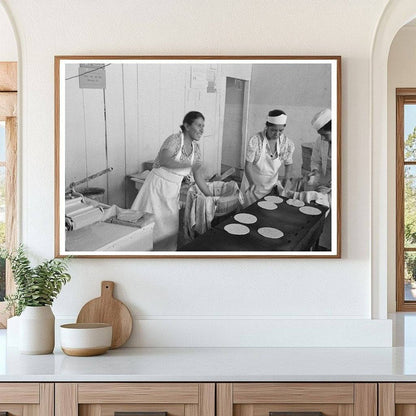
x,y
222,90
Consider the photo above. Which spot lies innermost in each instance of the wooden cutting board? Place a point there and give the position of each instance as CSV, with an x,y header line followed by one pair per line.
x,y
107,309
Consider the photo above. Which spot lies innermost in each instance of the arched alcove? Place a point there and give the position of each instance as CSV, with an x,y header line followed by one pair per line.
x,y
8,44
401,74
396,14
9,57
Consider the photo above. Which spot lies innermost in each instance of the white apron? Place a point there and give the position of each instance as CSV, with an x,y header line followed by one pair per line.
x,y
159,195
323,164
325,175
265,175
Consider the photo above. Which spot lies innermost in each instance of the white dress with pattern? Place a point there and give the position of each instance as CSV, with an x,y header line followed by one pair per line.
x,y
160,193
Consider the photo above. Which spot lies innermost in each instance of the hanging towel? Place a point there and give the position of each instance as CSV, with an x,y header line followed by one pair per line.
x,y
199,212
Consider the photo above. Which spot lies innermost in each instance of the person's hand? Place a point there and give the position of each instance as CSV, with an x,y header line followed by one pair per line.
x,y
250,188
312,173
279,187
323,189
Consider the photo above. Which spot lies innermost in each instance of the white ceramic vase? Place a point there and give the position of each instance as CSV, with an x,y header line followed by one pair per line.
x,y
37,330
13,331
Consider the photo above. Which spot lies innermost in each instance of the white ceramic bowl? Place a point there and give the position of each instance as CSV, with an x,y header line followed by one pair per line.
x,y
84,340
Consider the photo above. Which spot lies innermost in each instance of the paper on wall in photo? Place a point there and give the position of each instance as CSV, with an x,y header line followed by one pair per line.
x,y
199,77
211,78
92,76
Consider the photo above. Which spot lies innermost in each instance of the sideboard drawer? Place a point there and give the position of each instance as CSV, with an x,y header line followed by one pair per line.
x,y
397,399
153,399
21,399
296,399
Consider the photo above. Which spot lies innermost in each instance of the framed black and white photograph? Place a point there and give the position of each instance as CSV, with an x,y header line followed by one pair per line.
x,y
198,156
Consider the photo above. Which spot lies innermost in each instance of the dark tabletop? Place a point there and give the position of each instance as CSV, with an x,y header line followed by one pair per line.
x,y
300,231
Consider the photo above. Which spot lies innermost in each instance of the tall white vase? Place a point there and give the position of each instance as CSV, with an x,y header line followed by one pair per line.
x,y
13,332
37,330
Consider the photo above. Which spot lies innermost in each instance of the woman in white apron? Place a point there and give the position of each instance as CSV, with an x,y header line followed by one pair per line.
x,y
321,153
159,195
266,152
321,171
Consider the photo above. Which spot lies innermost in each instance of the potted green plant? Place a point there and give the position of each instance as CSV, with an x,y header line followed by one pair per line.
x,y
36,289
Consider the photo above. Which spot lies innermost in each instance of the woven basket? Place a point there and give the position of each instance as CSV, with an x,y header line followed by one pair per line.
x,y
229,196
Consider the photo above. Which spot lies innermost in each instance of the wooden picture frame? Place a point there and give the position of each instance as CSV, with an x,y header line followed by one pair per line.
x,y
114,113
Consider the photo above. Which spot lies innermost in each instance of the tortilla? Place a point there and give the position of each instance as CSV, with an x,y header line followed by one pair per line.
x,y
245,218
236,229
270,232
310,210
267,205
274,199
295,202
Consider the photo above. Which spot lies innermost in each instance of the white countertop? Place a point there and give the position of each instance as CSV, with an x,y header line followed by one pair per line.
x,y
222,364
213,364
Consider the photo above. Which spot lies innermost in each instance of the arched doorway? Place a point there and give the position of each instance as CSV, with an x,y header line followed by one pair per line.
x,y
396,14
8,148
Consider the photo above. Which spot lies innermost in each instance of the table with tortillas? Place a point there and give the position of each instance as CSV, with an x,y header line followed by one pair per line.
x,y
272,223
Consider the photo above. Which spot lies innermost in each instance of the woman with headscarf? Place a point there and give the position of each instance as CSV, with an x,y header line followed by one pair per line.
x,y
266,152
178,157
320,174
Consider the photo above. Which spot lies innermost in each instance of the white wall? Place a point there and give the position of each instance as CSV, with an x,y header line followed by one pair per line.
x,y
269,301
401,74
274,87
144,105
8,47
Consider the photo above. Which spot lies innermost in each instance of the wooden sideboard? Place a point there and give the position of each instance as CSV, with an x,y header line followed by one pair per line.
x,y
208,399
27,399
264,399
105,399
